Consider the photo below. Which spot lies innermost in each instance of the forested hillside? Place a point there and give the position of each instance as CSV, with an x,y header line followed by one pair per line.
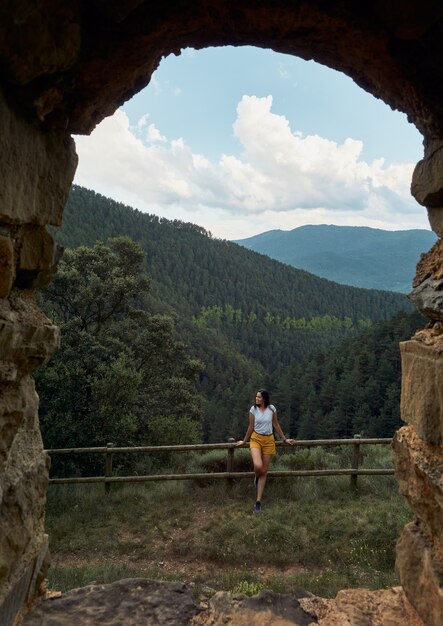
x,y
190,269
245,317
352,389
352,255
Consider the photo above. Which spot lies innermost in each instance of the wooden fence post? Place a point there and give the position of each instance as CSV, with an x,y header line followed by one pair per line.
x,y
230,463
108,466
355,460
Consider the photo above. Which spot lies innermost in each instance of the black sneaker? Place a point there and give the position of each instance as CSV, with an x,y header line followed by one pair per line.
x,y
257,507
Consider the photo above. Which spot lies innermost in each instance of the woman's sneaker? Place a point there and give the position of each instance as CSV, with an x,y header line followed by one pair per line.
x,y
257,507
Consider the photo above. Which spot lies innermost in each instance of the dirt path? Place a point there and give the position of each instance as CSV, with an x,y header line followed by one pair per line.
x,y
188,570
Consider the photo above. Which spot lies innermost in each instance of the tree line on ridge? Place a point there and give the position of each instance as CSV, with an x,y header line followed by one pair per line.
x,y
185,348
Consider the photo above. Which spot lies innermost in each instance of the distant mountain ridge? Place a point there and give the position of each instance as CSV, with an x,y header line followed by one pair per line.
x,y
351,255
189,269
245,316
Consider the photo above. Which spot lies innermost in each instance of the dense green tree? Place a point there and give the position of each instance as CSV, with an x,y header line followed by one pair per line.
x,y
352,389
119,373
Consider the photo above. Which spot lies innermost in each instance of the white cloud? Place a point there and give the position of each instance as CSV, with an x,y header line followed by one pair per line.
x,y
280,179
153,134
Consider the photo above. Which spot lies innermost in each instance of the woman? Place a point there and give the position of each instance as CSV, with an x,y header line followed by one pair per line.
x,y
262,421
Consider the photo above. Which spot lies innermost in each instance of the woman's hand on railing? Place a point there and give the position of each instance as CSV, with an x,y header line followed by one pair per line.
x,y
239,443
290,441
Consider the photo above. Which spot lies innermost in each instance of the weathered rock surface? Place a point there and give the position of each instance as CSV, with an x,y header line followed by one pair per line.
x,y
71,64
428,298
131,602
430,264
25,588
138,602
421,400
362,607
23,484
421,574
435,217
7,270
419,472
431,336
36,169
27,337
265,608
36,259
37,249
427,293
427,179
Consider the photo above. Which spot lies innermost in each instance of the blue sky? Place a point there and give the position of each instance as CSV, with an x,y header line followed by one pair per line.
x,y
243,140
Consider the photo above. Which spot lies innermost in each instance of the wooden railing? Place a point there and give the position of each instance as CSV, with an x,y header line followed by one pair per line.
x,y
109,450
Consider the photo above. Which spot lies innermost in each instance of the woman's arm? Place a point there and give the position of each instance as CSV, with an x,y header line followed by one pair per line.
x,y
248,432
278,428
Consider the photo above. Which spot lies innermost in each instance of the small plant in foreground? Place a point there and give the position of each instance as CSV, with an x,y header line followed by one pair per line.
x,y
248,588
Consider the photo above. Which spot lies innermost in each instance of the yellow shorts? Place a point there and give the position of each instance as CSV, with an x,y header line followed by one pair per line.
x,y
265,443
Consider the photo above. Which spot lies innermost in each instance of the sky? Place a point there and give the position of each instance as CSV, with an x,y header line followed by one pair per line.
x,y
245,140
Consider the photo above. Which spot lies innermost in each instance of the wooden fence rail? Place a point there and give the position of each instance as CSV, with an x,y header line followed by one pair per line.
x,y
109,450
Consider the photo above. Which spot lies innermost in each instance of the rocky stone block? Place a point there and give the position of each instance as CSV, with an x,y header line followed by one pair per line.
x,y
36,170
419,473
265,608
106,605
24,589
36,257
430,264
363,607
15,600
427,179
435,217
420,574
130,601
55,48
7,273
24,481
27,337
37,249
8,372
428,298
427,285
421,402
431,336
18,410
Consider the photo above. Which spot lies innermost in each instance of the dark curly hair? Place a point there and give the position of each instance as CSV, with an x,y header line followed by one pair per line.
x,y
265,396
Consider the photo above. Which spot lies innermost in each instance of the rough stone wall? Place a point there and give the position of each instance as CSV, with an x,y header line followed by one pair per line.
x,y
35,175
418,447
64,66
69,64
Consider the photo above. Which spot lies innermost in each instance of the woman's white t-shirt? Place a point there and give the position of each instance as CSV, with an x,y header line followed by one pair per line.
x,y
263,419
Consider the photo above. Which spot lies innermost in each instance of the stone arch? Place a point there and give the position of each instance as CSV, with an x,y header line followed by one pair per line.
x,y
64,66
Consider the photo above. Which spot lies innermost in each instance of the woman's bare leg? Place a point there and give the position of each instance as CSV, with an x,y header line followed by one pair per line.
x,y
257,460
266,460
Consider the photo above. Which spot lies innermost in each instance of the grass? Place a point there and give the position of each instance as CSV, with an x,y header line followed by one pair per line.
x,y
314,533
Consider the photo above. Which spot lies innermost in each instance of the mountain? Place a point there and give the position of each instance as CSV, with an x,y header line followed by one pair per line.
x,y
245,316
351,255
191,270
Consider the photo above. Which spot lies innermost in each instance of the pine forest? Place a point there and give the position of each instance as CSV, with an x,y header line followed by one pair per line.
x,y
167,333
